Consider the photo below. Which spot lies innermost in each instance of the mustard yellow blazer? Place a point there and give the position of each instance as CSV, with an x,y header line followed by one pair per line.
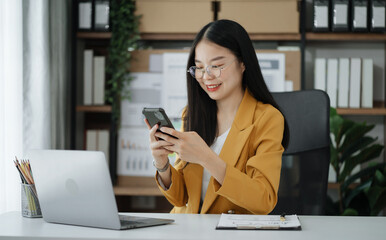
x,y
252,152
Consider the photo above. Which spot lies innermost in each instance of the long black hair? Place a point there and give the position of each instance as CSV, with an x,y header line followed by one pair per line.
x,y
201,112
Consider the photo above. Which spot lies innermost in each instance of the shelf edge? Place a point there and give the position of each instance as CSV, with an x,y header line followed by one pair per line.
x,y
311,36
362,111
93,108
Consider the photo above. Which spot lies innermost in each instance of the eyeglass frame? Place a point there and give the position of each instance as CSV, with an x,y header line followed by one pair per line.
x,y
208,72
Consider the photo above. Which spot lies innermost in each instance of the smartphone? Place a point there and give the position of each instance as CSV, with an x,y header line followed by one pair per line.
x,y
157,116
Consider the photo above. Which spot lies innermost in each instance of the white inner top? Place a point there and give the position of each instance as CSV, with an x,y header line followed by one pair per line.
x,y
216,147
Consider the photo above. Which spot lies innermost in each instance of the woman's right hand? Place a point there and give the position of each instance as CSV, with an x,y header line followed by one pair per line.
x,y
160,154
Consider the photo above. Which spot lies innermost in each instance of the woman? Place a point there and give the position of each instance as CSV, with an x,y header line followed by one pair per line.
x,y
229,153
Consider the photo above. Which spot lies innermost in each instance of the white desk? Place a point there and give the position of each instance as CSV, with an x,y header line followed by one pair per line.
x,y
195,226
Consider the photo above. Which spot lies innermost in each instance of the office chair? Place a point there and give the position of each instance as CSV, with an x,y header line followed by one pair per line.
x,y
305,164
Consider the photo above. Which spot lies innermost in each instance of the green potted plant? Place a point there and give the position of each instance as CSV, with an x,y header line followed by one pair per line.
x,y
350,147
124,40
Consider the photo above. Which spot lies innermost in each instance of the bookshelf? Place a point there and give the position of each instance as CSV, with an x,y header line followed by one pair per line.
x,y
93,117
188,36
333,45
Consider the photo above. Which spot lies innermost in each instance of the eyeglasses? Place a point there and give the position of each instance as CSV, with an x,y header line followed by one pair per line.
x,y
211,70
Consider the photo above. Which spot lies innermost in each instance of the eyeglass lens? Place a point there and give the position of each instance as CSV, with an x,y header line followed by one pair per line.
x,y
212,71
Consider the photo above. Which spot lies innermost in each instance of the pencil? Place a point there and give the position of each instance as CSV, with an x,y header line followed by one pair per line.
x,y
24,171
28,172
21,175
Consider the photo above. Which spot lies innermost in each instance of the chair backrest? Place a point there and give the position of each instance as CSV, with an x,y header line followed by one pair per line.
x,y
305,165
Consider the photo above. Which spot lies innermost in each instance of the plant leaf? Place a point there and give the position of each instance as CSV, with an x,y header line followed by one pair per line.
x,y
373,193
355,132
364,156
358,145
346,125
352,194
368,171
380,204
380,178
334,158
335,122
350,212
125,34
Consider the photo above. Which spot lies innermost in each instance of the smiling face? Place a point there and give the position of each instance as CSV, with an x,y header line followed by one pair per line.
x,y
228,85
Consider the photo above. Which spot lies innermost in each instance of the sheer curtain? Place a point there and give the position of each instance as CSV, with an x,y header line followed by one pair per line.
x,y
11,101
34,85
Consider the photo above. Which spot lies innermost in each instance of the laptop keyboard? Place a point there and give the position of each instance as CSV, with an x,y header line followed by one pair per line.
x,y
128,220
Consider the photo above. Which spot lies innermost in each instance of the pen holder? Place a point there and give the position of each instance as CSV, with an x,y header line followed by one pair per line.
x,y
30,206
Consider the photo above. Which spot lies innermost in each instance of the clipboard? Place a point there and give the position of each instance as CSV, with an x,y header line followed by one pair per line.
x,y
258,222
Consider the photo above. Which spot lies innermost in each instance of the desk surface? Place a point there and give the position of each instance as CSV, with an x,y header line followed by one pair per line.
x,y
195,226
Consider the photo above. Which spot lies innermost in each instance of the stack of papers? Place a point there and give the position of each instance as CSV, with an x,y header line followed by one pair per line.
x,y
235,221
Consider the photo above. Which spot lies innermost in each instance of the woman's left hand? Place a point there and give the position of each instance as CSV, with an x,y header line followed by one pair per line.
x,y
189,146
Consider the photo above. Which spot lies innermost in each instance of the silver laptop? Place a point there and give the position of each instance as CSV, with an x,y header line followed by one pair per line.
x,y
74,187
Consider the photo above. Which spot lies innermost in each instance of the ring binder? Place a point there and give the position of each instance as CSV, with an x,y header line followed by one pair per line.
x,y
101,16
321,13
377,15
359,10
340,15
85,15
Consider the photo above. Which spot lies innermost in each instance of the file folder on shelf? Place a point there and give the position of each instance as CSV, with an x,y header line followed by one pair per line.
x,y
332,80
367,83
85,13
321,15
340,15
343,82
99,80
377,15
355,83
101,15
320,74
88,66
359,16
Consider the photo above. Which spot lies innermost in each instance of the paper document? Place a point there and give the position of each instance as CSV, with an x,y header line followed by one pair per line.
x,y
174,83
145,91
134,154
238,221
273,69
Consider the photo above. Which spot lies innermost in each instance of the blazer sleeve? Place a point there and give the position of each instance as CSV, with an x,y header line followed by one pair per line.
x,y
253,185
176,194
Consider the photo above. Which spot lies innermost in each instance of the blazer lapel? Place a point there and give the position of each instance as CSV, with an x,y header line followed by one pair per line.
x,y
235,142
